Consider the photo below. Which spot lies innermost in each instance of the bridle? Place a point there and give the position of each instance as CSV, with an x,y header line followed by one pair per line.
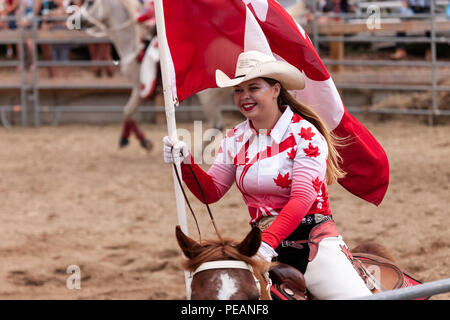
x,y
226,264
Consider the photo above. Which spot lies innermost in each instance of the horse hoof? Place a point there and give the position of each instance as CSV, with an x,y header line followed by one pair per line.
x,y
147,144
123,142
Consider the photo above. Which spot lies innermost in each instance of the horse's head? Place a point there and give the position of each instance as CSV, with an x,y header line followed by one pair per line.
x,y
223,270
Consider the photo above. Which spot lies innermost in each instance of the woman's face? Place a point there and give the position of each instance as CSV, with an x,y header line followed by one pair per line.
x,y
256,99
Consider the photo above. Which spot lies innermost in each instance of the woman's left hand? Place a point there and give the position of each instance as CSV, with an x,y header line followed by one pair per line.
x,y
266,253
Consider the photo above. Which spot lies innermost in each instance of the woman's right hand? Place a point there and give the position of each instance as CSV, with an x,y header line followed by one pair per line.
x,y
175,152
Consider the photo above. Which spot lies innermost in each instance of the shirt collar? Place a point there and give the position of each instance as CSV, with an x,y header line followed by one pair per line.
x,y
282,125
277,131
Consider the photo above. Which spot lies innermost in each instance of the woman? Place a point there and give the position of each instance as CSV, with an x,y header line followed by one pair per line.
x,y
281,158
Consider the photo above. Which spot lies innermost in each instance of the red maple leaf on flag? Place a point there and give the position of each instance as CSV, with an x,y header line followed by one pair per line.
x,y
283,181
296,118
306,134
311,151
317,184
291,154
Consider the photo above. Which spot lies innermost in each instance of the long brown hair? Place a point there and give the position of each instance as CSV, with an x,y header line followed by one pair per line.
x,y
334,171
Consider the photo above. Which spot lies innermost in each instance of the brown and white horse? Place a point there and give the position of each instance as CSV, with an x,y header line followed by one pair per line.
x,y
225,270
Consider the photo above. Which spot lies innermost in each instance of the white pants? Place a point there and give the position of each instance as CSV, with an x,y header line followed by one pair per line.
x,y
331,275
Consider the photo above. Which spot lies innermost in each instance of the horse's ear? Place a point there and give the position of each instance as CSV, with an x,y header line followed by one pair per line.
x,y
250,245
189,246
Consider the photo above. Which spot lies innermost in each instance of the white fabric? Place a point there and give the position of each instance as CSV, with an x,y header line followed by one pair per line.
x,y
331,276
323,97
266,252
149,69
223,264
288,158
174,152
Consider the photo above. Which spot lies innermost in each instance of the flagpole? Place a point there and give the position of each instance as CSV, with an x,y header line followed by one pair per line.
x,y
170,118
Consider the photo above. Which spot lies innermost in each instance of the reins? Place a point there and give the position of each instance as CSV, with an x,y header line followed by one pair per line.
x,y
235,264
204,200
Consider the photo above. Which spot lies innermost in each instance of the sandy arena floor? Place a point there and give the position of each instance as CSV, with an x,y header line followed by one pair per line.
x,y
69,196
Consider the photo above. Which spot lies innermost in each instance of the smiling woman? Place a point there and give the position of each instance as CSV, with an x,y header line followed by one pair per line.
x,y
282,159
256,99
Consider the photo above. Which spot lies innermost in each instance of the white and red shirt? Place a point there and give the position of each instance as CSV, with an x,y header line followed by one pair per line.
x,y
279,173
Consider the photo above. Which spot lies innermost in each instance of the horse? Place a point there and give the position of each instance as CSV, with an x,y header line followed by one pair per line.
x,y
224,269
117,20
227,269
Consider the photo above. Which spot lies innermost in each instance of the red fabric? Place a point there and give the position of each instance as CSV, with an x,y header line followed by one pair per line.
x,y
149,14
365,161
287,221
209,188
126,128
199,32
131,126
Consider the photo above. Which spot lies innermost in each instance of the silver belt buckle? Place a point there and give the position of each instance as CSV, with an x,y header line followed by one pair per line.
x,y
318,218
264,223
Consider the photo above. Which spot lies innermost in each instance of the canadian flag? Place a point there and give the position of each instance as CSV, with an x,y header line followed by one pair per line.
x,y
206,35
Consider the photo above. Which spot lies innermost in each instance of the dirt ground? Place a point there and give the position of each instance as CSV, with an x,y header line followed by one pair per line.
x,y
69,196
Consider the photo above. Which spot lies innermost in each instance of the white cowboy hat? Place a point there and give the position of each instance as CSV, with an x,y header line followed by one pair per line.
x,y
254,64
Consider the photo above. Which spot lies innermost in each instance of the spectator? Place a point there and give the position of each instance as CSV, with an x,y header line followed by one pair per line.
x,y
27,23
55,52
100,52
338,6
411,7
10,7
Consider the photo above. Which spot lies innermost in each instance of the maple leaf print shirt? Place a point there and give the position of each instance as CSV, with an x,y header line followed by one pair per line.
x,y
280,173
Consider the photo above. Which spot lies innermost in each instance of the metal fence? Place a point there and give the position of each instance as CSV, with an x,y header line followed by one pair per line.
x,y
349,29
415,292
14,38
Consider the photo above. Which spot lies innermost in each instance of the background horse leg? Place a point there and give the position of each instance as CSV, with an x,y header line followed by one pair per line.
x,y
130,124
126,130
145,143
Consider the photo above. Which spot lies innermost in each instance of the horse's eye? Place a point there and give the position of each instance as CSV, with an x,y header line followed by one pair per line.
x,y
90,2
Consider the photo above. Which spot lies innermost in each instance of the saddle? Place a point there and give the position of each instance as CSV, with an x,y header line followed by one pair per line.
x,y
378,273
288,283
